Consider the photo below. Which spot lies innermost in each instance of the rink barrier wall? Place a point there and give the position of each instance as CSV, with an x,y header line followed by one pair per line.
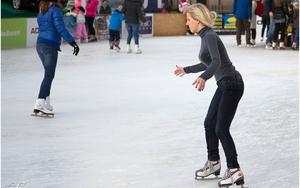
x,y
169,24
23,32
18,32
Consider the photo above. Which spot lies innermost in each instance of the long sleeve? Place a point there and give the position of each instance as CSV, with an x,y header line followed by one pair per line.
x,y
195,68
212,46
234,7
60,26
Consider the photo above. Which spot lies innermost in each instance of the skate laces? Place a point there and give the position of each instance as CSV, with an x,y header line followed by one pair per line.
x,y
207,166
227,174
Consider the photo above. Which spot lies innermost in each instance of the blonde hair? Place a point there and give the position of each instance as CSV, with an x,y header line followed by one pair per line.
x,y
201,13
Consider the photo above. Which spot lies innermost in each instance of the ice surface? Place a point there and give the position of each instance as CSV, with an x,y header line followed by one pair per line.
x,y
125,120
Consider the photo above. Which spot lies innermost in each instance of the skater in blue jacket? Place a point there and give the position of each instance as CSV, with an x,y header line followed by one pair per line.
x,y
215,62
51,30
115,23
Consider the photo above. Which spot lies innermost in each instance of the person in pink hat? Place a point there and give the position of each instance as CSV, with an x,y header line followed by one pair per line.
x,y
183,6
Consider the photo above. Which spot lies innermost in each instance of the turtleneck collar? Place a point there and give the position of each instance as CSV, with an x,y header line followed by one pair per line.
x,y
203,31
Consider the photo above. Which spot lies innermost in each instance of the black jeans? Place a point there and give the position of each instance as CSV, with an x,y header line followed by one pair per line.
x,y
219,117
48,55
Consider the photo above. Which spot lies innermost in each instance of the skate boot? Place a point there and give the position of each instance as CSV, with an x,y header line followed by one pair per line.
x,y
41,110
111,45
232,176
129,49
249,45
92,38
137,49
274,45
208,169
117,48
269,46
281,46
253,43
48,106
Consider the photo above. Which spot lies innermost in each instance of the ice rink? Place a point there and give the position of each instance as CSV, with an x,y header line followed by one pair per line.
x,y
125,120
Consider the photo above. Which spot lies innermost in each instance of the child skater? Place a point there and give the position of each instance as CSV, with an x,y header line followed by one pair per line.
x,y
114,28
80,28
215,62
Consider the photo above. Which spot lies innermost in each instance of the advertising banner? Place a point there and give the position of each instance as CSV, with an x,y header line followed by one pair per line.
x,y
147,29
13,33
32,32
229,21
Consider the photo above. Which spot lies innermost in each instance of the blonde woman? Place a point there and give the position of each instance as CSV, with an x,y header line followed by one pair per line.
x,y
215,62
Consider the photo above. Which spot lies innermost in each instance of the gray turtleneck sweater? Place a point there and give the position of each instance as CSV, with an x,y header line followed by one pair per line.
x,y
213,56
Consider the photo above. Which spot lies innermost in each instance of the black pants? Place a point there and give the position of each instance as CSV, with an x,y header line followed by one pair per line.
x,y
265,24
219,117
114,37
279,27
253,34
90,25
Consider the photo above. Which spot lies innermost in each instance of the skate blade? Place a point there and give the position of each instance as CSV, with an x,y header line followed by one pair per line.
x,y
42,114
209,177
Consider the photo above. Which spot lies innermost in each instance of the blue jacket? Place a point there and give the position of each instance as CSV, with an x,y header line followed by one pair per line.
x,y
116,20
52,28
242,9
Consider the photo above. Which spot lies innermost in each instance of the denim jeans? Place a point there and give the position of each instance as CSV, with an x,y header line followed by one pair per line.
x,y
219,117
48,55
133,30
296,37
270,33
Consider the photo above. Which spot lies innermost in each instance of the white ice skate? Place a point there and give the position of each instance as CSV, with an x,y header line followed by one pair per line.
x,y
41,110
232,176
129,49
208,169
137,50
48,106
253,43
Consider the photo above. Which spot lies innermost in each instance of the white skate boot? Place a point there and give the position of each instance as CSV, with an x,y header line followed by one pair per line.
x,y
253,43
129,49
48,106
41,110
137,50
232,176
208,169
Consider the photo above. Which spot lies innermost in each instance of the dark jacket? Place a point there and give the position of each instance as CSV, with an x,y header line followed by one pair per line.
x,y
267,6
52,28
296,18
105,10
134,11
280,10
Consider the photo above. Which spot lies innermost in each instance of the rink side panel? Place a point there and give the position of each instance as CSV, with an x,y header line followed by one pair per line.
x,y
171,24
13,33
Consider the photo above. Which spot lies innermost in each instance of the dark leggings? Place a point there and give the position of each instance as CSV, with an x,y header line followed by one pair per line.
x,y
218,119
265,24
253,34
90,25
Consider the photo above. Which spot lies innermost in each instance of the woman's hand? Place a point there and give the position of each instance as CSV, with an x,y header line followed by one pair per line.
x,y
179,71
199,84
